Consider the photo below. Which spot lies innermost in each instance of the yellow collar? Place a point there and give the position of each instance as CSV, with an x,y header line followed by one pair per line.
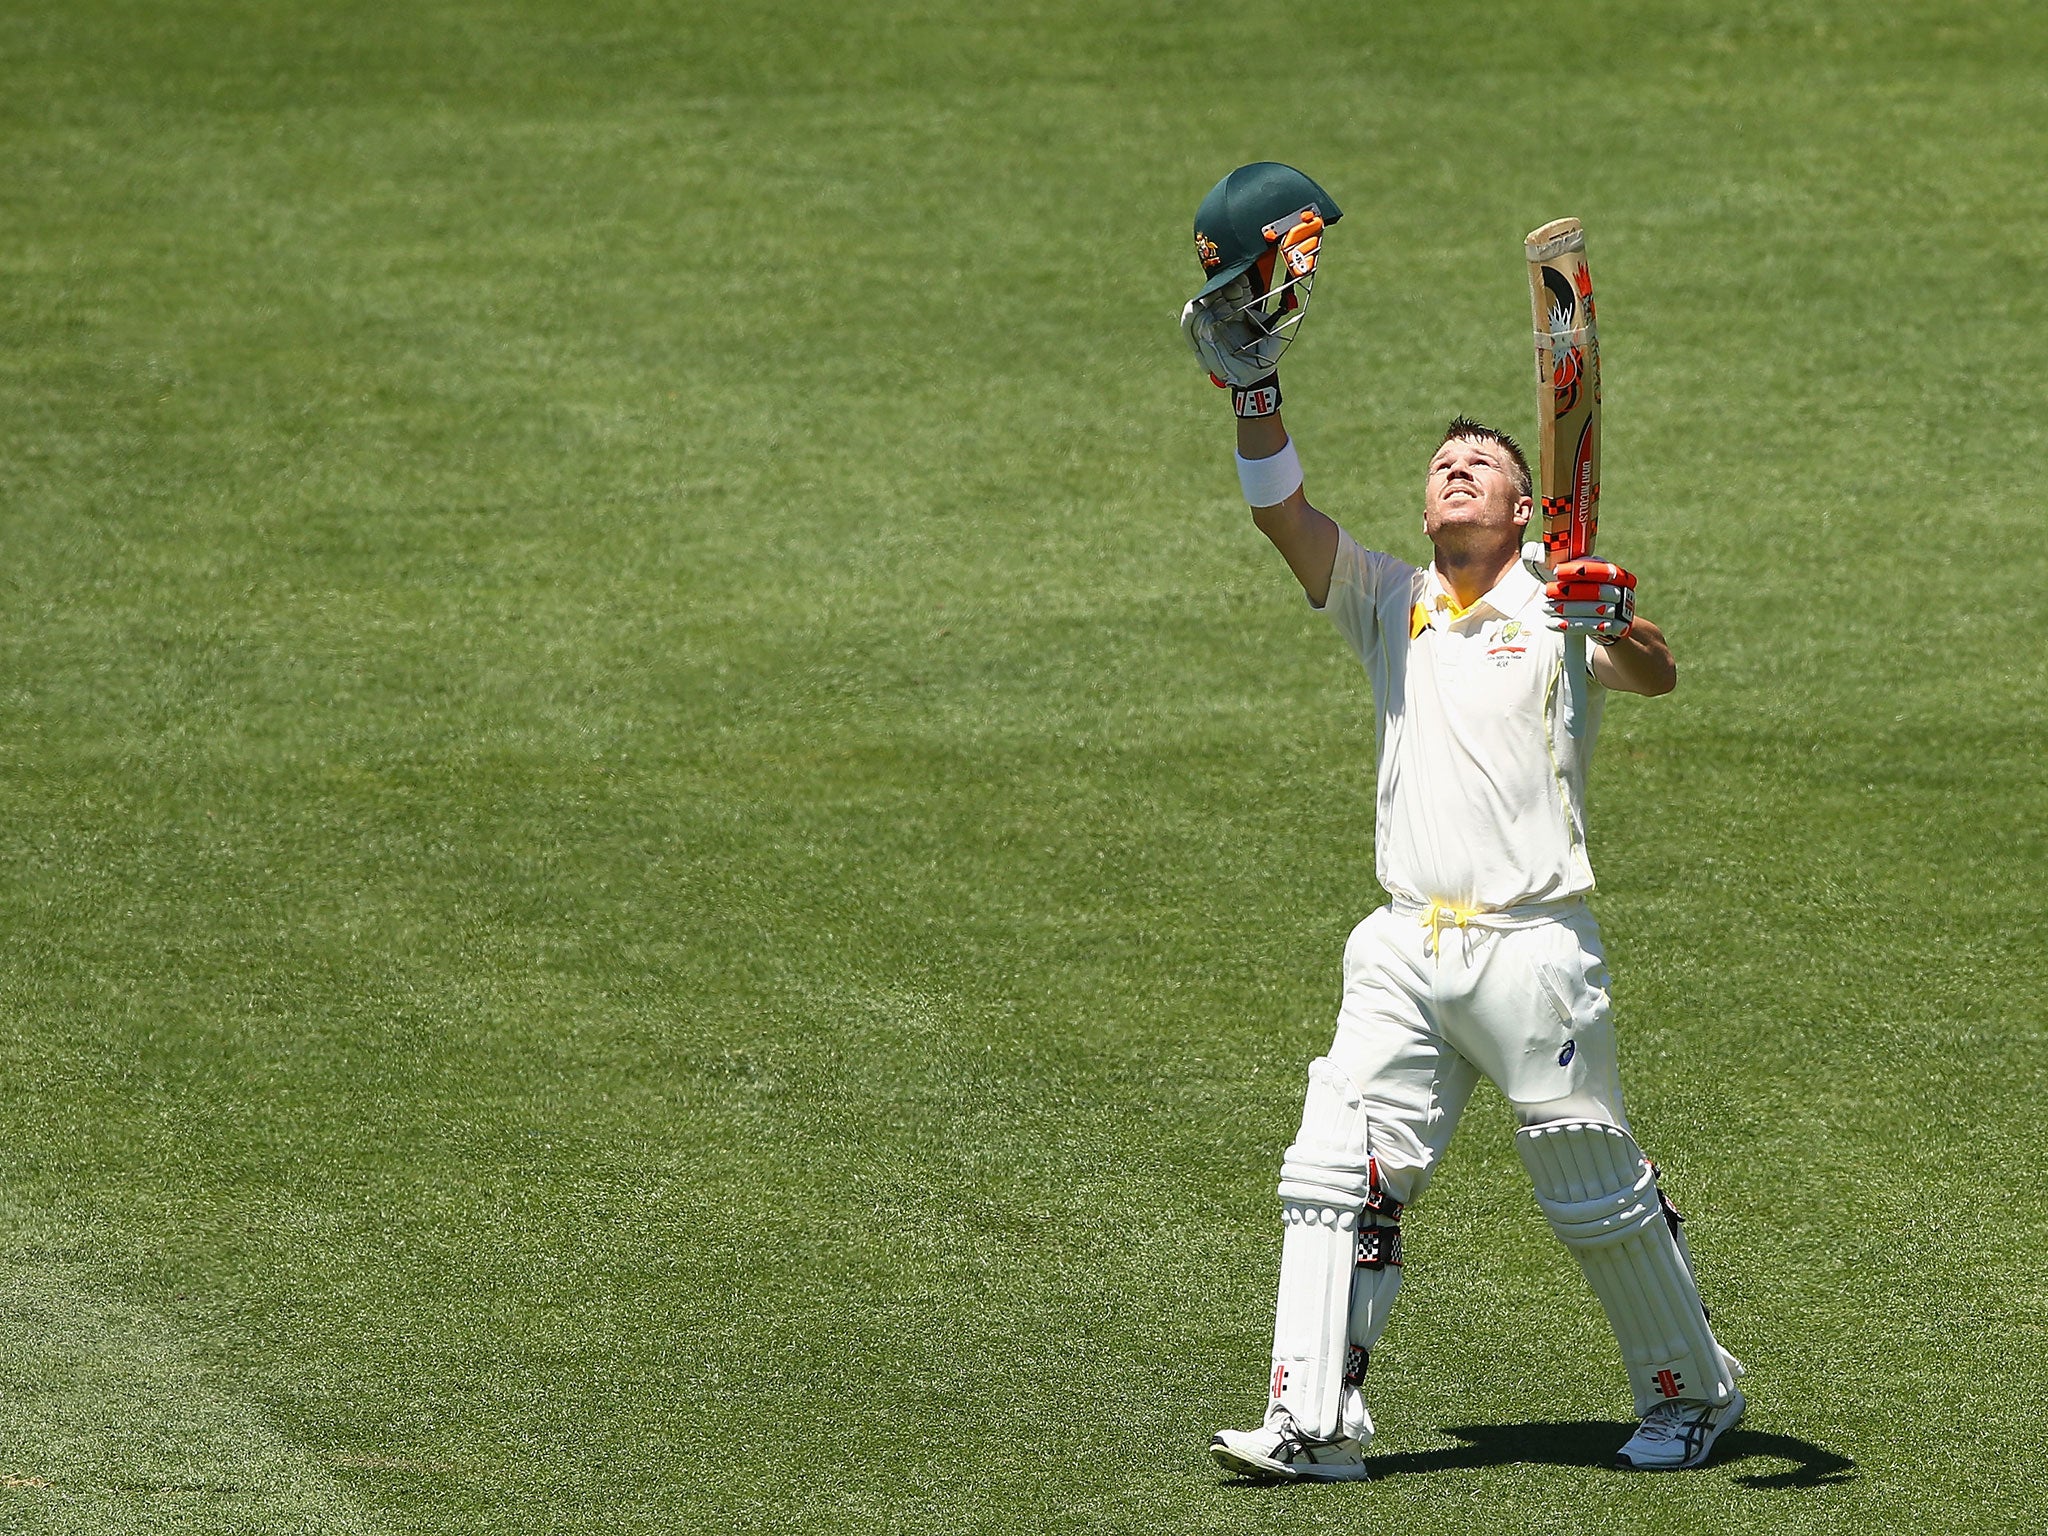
x,y
1506,597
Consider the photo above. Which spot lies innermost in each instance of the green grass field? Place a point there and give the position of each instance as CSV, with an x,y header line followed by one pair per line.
x,y
671,856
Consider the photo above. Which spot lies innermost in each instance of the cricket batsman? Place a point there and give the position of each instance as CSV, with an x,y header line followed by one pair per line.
x,y
1486,959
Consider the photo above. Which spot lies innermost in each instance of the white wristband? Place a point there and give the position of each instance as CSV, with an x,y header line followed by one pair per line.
x,y
1268,482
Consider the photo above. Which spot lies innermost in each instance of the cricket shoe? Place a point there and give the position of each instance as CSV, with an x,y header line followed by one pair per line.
x,y
1279,1449
1679,1434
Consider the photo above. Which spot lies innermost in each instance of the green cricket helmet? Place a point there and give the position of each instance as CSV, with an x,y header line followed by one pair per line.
x,y
1264,224
1247,214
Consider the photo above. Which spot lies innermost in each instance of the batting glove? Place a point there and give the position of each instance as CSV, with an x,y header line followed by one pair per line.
x,y
1234,349
1595,598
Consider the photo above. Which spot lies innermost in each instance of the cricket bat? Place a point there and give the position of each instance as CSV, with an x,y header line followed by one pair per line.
x,y
1568,417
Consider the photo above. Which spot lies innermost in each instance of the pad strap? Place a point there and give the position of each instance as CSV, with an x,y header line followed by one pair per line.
x,y
1377,1200
1378,1247
1356,1360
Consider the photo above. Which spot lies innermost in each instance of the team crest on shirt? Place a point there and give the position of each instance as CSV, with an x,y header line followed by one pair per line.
x,y
1506,642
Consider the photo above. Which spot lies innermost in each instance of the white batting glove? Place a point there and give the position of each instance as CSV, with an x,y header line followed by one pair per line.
x,y
1227,343
1595,598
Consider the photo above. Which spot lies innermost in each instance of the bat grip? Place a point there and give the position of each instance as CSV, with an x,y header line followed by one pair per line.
x,y
1575,704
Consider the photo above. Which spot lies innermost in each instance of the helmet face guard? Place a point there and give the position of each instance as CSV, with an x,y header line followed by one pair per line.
x,y
1274,300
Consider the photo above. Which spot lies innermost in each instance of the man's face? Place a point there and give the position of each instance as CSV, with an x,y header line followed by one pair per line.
x,y
1472,490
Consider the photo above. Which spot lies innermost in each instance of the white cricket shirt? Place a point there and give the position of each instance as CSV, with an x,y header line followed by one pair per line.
x,y
1482,794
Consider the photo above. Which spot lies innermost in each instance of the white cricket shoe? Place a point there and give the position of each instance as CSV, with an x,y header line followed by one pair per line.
x,y
1679,1434
1279,1449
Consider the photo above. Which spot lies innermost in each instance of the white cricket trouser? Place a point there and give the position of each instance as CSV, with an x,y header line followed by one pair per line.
x,y
1430,1004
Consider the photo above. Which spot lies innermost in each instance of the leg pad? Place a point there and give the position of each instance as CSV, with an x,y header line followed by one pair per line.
x,y
1340,1258
1601,1196
1317,1261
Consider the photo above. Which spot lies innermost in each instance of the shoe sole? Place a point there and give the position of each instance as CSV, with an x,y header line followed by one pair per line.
x,y
1247,1464
1698,1458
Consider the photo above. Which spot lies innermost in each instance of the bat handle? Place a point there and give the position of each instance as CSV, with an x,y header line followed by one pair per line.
x,y
1575,703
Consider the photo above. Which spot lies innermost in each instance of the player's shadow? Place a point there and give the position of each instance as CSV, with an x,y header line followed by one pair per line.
x,y
1591,1443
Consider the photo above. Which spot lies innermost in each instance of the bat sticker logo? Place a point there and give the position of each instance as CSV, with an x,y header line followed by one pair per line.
x,y
1567,330
1585,493
1564,378
1564,301
1583,281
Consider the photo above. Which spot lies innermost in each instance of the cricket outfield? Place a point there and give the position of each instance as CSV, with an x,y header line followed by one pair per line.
x,y
672,857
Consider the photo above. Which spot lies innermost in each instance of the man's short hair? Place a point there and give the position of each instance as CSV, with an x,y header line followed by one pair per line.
x,y
1466,427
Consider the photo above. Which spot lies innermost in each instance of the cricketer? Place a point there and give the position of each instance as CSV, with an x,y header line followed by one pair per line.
x,y
1486,958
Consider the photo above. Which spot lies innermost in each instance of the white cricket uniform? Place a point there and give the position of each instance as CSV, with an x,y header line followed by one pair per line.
x,y
1487,960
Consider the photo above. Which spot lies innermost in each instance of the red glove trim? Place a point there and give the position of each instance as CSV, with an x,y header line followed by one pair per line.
x,y
1598,572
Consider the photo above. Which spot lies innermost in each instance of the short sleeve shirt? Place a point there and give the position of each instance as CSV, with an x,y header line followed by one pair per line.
x,y
1482,794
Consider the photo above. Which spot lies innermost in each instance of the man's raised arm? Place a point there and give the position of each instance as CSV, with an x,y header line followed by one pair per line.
x,y
1306,539
1267,221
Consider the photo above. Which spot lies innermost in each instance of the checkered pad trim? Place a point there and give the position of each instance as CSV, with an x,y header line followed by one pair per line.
x,y
1378,1247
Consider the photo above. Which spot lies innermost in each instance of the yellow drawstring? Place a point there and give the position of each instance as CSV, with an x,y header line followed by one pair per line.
x,y
1439,913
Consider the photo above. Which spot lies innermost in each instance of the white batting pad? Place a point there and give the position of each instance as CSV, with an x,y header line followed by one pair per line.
x,y
1313,1316
1331,1311
1331,1160
1600,1194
